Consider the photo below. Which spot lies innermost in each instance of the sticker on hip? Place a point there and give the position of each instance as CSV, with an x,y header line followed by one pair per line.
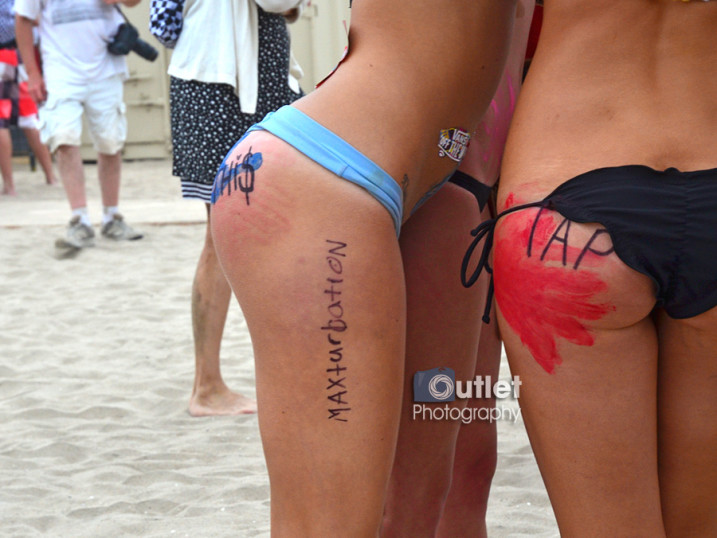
x,y
453,143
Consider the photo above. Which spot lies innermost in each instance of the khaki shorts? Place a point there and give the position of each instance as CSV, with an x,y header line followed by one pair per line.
x,y
61,115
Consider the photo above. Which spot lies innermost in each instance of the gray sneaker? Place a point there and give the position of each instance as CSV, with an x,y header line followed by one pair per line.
x,y
118,230
79,235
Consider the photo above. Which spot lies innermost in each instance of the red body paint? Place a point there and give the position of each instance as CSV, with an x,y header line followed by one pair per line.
x,y
544,300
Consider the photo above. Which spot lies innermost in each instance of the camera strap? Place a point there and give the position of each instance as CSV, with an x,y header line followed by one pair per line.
x,y
122,13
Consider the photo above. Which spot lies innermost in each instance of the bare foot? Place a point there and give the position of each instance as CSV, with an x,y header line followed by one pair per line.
x,y
51,180
9,190
221,403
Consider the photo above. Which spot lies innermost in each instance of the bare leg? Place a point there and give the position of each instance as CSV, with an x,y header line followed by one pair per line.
x,y
69,164
6,162
210,301
42,154
585,348
321,287
443,328
687,401
476,452
109,168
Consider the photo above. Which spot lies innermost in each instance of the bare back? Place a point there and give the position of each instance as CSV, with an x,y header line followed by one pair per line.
x,y
616,83
414,69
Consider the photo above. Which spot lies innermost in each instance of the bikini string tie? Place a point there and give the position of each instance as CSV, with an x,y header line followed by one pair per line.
x,y
486,230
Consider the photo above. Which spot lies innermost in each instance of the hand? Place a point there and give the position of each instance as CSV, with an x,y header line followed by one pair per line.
x,y
128,3
291,15
36,88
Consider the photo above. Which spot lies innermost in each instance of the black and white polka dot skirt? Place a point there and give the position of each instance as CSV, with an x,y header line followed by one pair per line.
x,y
206,117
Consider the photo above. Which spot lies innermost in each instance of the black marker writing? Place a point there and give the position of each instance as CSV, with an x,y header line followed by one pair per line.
x,y
588,247
335,327
561,235
560,239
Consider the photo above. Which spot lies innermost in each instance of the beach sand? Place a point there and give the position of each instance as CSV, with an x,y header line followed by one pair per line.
x,y
96,367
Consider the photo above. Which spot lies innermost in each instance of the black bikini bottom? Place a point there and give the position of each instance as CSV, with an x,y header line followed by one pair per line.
x,y
662,224
481,191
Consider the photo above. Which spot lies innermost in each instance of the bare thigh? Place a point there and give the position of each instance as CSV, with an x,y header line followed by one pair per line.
x,y
315,265
443,326
687,400
581,338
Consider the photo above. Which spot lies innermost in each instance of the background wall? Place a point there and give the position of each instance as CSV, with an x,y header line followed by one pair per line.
x,y
318,40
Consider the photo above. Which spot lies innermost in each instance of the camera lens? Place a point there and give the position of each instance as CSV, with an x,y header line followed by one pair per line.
x,y
145,50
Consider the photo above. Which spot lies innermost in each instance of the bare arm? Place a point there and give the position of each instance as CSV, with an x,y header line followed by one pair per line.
x,y
128,3
26,46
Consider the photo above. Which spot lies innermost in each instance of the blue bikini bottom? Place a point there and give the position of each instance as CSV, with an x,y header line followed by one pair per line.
x,y
336,155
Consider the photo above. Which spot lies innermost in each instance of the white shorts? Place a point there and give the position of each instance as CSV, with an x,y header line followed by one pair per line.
x,y
61,115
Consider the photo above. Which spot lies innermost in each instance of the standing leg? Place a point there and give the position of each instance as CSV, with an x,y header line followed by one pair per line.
x,y
476,450
28,122
113,224
315,265
79,230
687,400
443,327
210,302
42,153
9,102
109,168
69,164
6,162
104,111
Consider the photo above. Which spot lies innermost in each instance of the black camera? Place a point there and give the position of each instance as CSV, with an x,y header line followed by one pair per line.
x,y
127,40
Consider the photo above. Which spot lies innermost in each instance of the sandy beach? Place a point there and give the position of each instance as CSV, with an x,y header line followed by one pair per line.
x,y
96,367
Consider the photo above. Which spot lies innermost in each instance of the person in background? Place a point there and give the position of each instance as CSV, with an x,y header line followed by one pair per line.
x,y
16,105
79,75
214,98
443,469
